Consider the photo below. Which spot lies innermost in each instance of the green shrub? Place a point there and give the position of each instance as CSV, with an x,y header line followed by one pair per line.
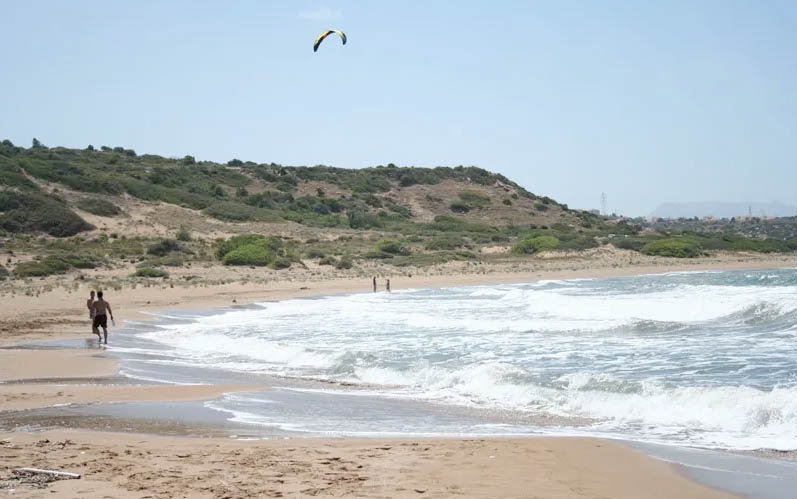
x,y
250,254
673,247
768,245
389,246
344,263
541,206
445,243
12,176
533,245
3,273
577,242
235,242
150,272
328,260
459,206
280,263
256,250
99,207
507,202
184,234
377,255
73,260
474,199
362,220
164,261
229,211
315,253
40,268
164,247
629,243
33,212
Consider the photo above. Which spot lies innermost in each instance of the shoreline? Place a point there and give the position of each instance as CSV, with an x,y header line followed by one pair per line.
x,y
43,385
53,313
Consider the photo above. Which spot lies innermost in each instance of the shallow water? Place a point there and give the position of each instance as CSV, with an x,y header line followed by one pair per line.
x,y
706,359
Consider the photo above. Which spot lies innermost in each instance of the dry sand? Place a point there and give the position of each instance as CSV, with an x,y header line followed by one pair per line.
x,y
133,465
124,465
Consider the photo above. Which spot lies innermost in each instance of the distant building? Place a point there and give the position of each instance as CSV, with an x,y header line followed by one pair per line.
x,y
594,212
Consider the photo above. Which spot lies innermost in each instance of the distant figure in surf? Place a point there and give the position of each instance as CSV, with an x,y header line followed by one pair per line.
x,y
100,309
374,284
388,285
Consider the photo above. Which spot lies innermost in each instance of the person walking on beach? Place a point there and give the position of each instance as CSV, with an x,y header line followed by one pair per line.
x,y
374,284
90,306
388,285
101,308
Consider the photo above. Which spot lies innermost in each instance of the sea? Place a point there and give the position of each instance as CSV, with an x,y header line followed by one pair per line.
x,y
695,359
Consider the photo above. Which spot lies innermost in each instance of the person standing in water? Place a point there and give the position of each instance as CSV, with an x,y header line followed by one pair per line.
x,y
388,285
374,284
90,306
101,308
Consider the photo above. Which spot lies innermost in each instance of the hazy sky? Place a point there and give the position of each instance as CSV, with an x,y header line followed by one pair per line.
x,y
679,101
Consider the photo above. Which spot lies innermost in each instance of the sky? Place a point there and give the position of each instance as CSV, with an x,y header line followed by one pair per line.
x,y
647,102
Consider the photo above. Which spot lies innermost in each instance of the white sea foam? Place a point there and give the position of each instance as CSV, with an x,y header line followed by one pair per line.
x,y
704,358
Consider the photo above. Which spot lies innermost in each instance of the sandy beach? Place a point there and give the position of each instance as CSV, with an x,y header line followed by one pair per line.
x,y
149,465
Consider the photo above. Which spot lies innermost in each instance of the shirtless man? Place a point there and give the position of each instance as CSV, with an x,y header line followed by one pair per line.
x,y
90,305
100,308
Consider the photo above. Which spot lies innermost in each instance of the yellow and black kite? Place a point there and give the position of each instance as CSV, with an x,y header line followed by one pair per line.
x,y
326,34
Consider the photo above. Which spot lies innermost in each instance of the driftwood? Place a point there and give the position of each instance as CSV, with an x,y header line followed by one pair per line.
x,y
38,471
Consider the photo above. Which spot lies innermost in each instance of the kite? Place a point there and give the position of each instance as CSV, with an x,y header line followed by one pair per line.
x,y
325,34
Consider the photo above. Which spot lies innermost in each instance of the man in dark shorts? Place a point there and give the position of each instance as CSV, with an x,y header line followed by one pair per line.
x,y
101,308
90,306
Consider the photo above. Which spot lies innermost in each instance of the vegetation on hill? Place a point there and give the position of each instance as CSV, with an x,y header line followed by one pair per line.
x,y
400,216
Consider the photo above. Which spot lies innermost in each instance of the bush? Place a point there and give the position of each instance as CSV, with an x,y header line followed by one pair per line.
x,y
328,260
164,247
541,206
474,199
673,247
629,243
315,253
533,245
459,207
231,212
41,268
184,234
73,260
377,255
99,207
33,212
362,220
255,249
344,263
3,273
150,272
445,243
235,242
280,263
577,242
250,254
389,246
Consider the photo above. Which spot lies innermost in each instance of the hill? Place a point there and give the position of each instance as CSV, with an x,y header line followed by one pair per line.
x,y
67,211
